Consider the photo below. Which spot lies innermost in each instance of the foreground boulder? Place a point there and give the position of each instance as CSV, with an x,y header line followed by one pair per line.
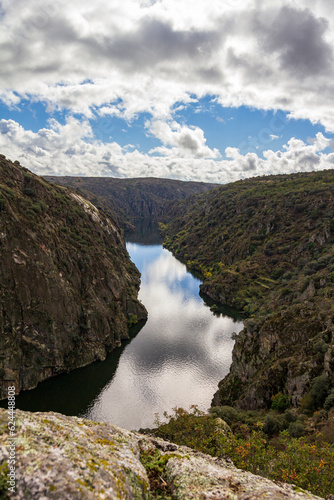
x,y
64,458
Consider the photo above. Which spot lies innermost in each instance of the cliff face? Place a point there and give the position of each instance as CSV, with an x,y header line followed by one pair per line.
x,y
66,457
68,288
282,354
265,246
131,199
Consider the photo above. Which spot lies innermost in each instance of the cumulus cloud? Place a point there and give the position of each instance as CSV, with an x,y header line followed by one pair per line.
x,y
297,37
70,149
180,140
124,58
129,57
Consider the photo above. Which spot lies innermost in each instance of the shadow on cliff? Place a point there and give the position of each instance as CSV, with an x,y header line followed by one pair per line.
x,y
74,392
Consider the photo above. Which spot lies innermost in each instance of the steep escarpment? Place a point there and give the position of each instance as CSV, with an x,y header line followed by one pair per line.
x,y
68,288
133,199
265,246
67,457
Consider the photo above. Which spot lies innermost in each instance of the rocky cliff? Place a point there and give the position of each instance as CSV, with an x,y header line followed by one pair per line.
x,y
133,199
71,458
68,288
284,353
265,246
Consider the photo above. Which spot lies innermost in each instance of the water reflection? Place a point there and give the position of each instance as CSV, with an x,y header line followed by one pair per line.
x,y
179,356
177,359
73,393
146,232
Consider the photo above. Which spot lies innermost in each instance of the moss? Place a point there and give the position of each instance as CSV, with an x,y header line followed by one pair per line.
x,y
4,470
155,464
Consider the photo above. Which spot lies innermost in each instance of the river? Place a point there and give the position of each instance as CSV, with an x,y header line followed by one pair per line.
x,y
176,359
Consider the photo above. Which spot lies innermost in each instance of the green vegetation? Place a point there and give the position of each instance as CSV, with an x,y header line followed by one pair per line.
x,y
281,454
255,241
4,471
154,463
131,199
266,246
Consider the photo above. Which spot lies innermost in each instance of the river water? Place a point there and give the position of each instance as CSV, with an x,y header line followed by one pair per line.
x,y
176,359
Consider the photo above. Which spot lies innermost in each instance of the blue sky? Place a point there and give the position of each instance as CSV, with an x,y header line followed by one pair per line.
x,y
180,89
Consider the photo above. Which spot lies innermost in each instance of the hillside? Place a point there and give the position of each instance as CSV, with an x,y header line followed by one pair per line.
x,y
68,288
265,246
132,199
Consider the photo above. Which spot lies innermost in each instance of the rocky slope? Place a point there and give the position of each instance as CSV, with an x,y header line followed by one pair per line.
x,y
68,288
132,199
67,457
265,245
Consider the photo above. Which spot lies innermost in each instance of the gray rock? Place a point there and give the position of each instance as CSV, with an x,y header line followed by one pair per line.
x,y
61,457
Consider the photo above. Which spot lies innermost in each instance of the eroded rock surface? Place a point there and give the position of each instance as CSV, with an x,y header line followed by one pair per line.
x,y
61,457
68,290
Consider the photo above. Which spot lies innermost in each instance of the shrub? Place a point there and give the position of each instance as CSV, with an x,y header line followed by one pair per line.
x,y
319,390
39,206
133,320
277,273
273,424
296,429
226,413
329,401
28,192
289,459
280,402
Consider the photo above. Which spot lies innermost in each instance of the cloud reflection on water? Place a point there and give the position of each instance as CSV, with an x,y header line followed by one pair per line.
x,y
179,356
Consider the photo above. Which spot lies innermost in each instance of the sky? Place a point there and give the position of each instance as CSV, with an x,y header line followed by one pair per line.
x,y
186,89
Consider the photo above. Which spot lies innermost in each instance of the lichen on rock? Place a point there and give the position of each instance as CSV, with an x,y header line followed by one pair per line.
x,y
66,458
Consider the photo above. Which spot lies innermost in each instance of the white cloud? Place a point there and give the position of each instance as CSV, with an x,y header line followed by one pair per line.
x,y
70,149
180,140
131,57
123,58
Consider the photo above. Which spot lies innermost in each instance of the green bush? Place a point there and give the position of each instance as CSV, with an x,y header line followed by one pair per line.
x,y
226,413
308,465
319,390
280,402
277,273
329,401
273,424
28,191
296,429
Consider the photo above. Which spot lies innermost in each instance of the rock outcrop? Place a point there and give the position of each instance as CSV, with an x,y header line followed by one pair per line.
x,y
68,458
68,287
281,355
133,199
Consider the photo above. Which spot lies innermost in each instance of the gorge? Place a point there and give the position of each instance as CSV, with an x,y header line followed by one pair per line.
x,y
70,296
177,358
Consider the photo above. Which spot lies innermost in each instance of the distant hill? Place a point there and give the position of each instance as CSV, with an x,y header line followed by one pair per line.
x,y
133,199
266,246
68,288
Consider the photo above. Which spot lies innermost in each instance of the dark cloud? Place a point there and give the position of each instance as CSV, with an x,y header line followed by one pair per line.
x,y
297,37
188,142
152,43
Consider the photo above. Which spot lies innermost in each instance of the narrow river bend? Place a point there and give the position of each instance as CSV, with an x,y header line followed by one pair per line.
x,y
177,359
